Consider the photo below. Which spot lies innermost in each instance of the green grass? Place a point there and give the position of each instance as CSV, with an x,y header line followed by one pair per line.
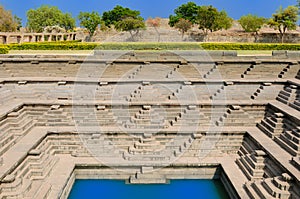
x,y
254,52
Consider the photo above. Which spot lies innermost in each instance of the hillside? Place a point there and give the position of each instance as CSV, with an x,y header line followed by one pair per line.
x,y
165,33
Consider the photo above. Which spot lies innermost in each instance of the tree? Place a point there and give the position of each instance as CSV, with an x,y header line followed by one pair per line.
x,y
119,13
90,21
131,25
45,16
298,6
210,19
155,23
183,25
252,23
68,22
188,11
8,22
284,20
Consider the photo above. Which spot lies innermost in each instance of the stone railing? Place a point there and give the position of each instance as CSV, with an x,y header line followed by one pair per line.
x,y
15,37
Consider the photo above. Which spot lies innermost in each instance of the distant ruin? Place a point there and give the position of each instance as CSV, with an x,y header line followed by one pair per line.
x,y
18,37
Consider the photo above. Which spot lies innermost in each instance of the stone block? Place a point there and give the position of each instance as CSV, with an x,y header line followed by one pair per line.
x,y
72,62
293,54
259,153
22,82
61,83
267,84
257,62
279,115
9,178
103,83
228,83
281,53
34,152
146,107
235,107
147,169
145,83
100,107
34,62
293,86
55,107
192,107
230,53
286,177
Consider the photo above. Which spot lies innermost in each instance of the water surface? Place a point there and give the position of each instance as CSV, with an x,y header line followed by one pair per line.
x,y
177,189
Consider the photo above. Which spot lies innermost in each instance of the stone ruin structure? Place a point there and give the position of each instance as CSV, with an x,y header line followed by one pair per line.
x,y
149,117
18,37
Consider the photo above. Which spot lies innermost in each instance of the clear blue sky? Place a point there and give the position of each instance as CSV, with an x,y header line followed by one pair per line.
x,y
153,8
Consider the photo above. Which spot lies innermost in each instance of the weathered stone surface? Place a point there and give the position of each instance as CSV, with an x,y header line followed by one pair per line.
x,y
170,119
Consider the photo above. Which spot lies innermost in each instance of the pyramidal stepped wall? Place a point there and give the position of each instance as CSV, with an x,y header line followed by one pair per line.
x,y
148,117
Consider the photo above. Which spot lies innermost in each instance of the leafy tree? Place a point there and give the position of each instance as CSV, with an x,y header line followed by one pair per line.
x,y
131,25
45,16
90,21
284,20
8,22
252,23
183,25
103,27
68,22
210,19
119,13
18,21
155,23
188,11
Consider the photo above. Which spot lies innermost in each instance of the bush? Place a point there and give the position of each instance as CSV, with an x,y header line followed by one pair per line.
x,y
52,46
249,46
150,46
3,50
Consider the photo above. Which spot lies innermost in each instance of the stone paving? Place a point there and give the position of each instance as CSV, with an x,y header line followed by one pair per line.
x,y
148,117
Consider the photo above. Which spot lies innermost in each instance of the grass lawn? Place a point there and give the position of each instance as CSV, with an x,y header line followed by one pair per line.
x,y
254,52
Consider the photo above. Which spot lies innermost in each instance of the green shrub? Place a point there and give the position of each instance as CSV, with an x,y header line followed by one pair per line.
x,y
249,46
52,46
75,45
3,50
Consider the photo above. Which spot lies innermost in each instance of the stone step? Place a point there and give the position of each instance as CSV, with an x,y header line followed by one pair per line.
x,y
273,190
260,190
147,179
250,191
286,146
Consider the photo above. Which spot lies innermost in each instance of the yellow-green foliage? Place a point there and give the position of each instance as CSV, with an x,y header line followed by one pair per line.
x,y
3,50
150,46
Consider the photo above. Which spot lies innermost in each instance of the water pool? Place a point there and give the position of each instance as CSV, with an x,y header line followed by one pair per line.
x,y
177,189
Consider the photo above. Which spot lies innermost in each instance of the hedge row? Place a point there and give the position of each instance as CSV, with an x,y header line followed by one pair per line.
x,y
249,46
147,46
4,50
53,46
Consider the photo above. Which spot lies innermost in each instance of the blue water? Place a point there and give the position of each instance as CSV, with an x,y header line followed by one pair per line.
x,y
177,189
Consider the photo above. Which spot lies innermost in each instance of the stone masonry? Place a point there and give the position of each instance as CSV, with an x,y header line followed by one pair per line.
x,y
149,117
